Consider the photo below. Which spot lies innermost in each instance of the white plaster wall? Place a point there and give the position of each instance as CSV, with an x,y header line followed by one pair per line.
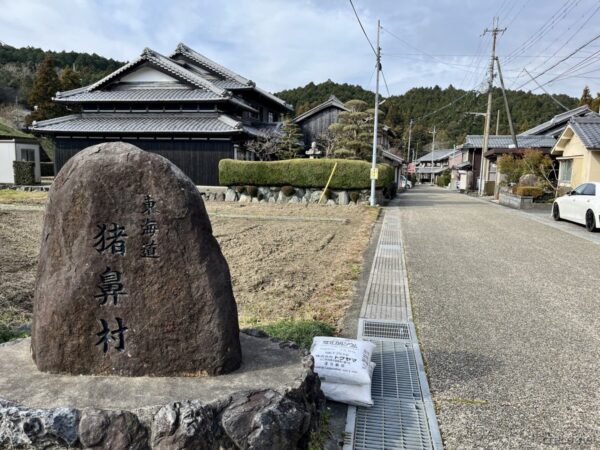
x,y
7,156
146,74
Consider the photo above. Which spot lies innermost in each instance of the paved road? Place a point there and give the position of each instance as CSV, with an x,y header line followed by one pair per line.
x,y
508,311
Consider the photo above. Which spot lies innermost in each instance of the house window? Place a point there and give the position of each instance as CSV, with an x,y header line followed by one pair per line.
x,y
564,171
27,154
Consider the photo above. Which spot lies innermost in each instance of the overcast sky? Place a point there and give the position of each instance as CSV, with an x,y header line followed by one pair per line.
x,y
283,44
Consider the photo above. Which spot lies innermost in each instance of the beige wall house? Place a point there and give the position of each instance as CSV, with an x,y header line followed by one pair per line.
x,y
578,152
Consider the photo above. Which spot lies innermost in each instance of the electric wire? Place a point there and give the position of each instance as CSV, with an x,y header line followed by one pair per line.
x,y
362,28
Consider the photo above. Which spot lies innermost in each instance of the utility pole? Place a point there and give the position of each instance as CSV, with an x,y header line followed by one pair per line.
x,y
508,115
432,150
497,122
488,117
408,154
376,119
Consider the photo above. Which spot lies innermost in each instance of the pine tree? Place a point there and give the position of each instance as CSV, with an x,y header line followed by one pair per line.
x,y
586,97
290,144
596,103
353,131
45,86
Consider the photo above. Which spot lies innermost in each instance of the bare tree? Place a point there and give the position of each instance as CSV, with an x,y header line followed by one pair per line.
x,y
265,147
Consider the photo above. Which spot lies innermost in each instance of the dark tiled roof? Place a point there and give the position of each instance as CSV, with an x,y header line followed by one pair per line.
x,y
505,141
434,170
147,95
143,123
168,65
210,65
393,157
438,155
332,101
588,130
558,119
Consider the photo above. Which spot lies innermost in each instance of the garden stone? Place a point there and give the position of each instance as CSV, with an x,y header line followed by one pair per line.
x,y
330,202
265,191
230,195
105,430
131,280
220,197
315,196
294,199
255,200
272,200
282,198
528,179
245,198
343,198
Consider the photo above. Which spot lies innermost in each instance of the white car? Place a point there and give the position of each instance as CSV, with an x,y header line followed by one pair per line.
x,y
581,205
404,182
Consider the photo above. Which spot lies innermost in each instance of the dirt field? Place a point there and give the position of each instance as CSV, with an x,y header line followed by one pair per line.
x,y
285,260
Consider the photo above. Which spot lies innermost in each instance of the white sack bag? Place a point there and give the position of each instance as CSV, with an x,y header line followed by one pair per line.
x,y
351,394
339,360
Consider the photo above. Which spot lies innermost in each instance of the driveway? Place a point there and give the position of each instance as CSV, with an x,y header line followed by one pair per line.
x,y
508,312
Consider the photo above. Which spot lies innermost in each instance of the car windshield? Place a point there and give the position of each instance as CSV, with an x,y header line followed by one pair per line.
x,y
579,189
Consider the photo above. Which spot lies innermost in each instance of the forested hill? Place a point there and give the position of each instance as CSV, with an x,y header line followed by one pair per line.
x,y
452,122
18,67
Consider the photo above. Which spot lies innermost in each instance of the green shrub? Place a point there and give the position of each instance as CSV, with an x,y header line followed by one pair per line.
x,y
47,169
24,172
252,191
301,332
304,173
288,191
529,191
354,196
7,334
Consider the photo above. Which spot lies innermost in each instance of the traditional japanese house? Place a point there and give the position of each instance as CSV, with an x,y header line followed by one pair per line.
x,y
184,107
315,122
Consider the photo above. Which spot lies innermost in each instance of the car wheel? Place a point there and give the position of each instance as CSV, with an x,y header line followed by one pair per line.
x,y
555,212
590,220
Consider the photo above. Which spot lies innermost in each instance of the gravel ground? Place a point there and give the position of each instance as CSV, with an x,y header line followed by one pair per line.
x,y
285,260
507,310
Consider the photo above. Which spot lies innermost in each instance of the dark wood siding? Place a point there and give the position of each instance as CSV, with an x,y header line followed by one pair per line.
x,y
199,160
318,123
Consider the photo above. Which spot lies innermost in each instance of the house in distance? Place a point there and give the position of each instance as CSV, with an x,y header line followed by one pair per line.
x,y
185,107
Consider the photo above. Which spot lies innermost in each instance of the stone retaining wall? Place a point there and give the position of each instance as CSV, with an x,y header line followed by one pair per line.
x,y
515,201
272,194
259,419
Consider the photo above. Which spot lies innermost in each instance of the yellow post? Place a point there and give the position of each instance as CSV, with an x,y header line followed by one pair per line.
x,y
328,181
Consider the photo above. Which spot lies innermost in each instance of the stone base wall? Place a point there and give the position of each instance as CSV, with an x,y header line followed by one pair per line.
x,y
515,201
272,194
16,187
253,420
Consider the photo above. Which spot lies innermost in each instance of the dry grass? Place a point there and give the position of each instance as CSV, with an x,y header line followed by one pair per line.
x,y
11,196
298,269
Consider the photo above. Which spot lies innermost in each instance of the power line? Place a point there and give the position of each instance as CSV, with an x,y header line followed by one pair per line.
x,y
563,59
362,28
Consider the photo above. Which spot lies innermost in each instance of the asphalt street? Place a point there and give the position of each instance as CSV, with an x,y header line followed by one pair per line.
x,y
507,307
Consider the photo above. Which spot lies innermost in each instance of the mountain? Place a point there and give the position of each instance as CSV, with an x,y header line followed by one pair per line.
x,y
18,67
444,108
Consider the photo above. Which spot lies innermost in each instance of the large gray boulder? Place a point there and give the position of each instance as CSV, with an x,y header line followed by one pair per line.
x,y
130,279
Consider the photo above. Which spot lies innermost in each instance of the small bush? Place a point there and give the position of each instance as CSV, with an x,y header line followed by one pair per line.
x,y
252,191
24,172
327,193
47,169
6,334
301,332
302,173
355,196
288,191
529,191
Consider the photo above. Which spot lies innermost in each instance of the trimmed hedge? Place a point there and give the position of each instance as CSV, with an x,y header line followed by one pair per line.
x,y
24,172
304,173
47,169
529,191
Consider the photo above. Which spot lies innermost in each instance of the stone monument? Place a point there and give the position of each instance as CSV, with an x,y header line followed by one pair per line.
x,y
130,279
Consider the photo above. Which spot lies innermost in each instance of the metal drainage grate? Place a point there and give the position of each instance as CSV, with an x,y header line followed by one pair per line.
x,y
395,375
392,424
384,330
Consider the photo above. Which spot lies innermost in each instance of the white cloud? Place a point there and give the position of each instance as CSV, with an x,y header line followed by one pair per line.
x,y
286,43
